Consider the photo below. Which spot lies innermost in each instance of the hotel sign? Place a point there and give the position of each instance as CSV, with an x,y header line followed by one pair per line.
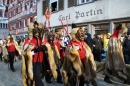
x,y
79,14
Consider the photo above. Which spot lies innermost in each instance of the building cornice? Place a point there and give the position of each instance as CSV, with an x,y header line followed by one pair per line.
x,y
13,21
107,21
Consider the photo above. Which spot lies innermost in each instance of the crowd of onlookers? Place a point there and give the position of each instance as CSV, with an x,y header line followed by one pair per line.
x,y
98,45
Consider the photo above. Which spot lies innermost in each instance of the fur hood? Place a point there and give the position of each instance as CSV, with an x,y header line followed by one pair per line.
x,y
122,31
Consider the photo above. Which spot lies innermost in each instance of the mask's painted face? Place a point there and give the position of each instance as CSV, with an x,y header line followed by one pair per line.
x,y
11,39
80,35
51,37
36,32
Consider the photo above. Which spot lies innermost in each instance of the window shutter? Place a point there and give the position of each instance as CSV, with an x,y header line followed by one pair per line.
x,y
31,19
12,13
44,3
16,25
72,3
31,4
25,6
9,27
22,23
61,4
8,14
26,22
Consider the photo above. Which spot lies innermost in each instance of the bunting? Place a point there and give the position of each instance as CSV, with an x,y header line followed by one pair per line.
x,y
20,4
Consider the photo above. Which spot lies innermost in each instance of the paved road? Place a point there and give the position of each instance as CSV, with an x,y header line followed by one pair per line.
x,y
9,78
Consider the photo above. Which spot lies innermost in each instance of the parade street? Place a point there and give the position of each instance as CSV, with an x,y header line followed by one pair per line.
x,y
9,78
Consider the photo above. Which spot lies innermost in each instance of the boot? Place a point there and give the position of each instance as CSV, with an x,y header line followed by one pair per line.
x,y
106,79
126,82
59,78
93,82
48,77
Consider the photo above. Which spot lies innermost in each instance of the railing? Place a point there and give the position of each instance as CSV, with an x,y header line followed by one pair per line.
x,y
21,30
26,12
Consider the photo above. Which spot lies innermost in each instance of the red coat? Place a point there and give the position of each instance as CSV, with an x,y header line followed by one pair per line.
x,y
57,43
115,34
11,48
60,49
81,50
38,55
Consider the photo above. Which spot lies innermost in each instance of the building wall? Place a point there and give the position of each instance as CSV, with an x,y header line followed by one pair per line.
x,y
20,15
3,20
98,12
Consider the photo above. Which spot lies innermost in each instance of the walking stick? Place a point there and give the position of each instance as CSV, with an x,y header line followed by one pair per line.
x,y
66,30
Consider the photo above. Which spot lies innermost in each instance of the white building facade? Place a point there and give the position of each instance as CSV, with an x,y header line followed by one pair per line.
x,y
96,15
3,20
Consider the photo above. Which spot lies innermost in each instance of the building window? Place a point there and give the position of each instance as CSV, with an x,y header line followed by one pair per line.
x,y
72,3
54,6
84,1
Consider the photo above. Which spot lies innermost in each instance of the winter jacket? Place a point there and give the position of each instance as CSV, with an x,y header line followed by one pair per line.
x,y
89,41
126,46
98,45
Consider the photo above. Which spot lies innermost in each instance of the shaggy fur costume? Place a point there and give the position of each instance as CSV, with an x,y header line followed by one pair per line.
x,y
27,69
115,59
73,58
5,51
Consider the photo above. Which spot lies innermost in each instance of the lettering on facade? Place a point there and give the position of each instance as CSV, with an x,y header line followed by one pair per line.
x,y
79,14
88,13
64,17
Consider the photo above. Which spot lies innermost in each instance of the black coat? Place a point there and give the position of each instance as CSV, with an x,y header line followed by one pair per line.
x,y
126,46
89,41
98,45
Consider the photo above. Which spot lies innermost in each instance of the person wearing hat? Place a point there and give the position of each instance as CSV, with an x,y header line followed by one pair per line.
x,y
97,47
33,56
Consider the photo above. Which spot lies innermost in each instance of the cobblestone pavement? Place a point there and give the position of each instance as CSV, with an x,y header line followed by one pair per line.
x,y
9,78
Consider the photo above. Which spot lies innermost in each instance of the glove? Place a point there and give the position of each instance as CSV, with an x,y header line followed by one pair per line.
x,y
38,49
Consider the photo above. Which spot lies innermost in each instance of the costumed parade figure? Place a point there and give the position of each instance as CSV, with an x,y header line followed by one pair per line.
x,y
79,67
55,45
115,65
12,48
37,57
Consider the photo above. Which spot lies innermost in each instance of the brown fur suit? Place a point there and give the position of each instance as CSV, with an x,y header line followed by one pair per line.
x,y
27,69
115,59
72,56
5,53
